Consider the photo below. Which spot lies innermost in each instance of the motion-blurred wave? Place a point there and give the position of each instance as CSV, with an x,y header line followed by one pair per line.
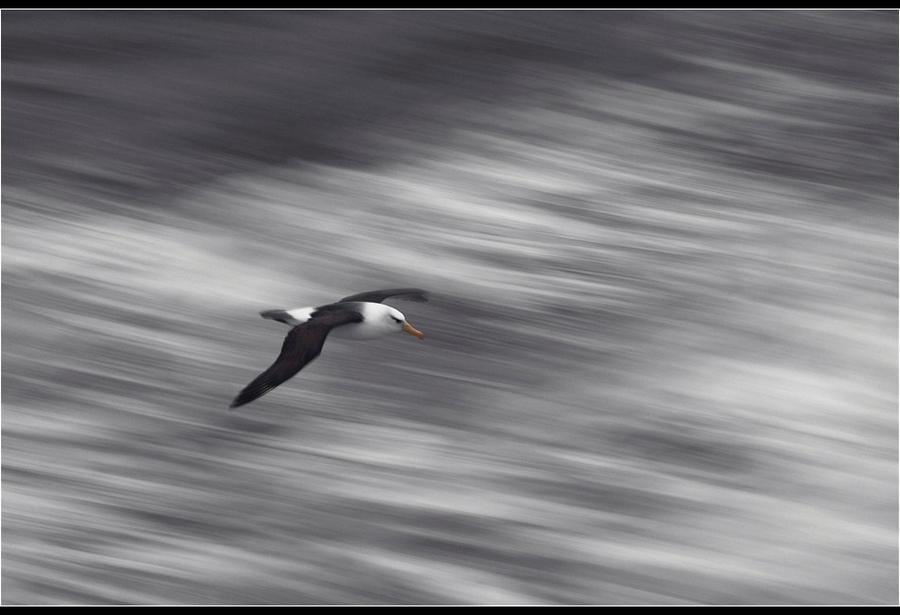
x,y
661,355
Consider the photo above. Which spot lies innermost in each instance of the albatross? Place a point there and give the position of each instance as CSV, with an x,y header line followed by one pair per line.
x,y
361,316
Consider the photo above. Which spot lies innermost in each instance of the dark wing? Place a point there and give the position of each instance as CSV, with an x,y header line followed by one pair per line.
x,y
302,344
377,296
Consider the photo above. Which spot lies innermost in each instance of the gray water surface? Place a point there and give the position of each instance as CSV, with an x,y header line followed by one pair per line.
x,y
661,353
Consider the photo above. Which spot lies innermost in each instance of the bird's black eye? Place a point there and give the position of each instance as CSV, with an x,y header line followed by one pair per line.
x,y
395,319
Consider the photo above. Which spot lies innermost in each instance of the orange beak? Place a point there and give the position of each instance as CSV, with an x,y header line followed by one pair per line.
x,y
413,331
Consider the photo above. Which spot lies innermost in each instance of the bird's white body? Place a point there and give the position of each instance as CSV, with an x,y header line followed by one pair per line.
x,y
301,314
378,320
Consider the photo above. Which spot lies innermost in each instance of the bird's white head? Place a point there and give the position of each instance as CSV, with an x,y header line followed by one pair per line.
x,y
395,319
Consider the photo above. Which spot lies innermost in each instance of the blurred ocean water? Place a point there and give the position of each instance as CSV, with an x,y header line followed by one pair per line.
x,y
661,355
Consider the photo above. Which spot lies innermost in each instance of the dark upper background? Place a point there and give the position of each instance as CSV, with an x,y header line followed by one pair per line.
x,y
661,354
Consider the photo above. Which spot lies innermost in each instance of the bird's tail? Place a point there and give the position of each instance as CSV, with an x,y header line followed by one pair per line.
x,y
280,316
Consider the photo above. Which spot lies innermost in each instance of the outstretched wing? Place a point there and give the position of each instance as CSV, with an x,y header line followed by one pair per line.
x,y
377,296
302,344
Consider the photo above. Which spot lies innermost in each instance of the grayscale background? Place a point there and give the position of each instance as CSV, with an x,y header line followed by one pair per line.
x,y
661,363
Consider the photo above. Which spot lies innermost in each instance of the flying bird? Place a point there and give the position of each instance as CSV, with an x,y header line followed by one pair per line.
x,y
361,316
